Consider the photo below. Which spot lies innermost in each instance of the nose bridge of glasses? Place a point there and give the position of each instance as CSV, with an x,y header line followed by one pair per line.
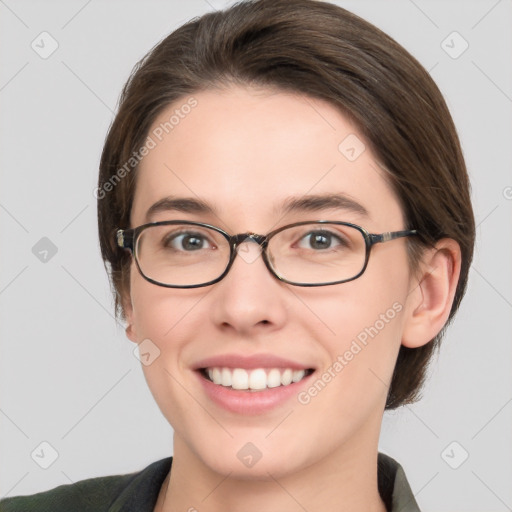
x,y
239,239
243,248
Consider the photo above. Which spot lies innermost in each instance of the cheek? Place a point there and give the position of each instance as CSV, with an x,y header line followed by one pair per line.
x,y
157,311
362,309
363,322
351,388
165,321
159,318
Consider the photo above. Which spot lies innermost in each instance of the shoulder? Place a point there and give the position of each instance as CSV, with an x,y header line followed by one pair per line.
x,y
394,488
92,494
108,493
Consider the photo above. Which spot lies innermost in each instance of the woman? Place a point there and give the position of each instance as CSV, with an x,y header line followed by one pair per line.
x,y
284,212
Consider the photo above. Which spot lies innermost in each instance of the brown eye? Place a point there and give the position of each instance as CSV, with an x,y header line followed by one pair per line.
x,y
321,240
186,241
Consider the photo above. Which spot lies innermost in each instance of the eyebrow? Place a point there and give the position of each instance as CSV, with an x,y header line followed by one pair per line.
x,y
179,204
309,203
314,203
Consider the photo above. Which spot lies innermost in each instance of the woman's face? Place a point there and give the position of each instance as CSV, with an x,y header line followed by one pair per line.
x,y
245,153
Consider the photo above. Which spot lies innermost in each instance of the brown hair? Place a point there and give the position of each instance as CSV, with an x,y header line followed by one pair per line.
x,y
321,50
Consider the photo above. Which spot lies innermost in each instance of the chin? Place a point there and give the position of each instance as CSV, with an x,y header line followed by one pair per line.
x,y
244,461
262,470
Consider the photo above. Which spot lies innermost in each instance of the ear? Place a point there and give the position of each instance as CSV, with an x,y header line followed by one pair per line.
x,y
130,330
431,297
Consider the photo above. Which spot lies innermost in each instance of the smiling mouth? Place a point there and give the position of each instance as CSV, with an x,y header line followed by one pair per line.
x,y
258,379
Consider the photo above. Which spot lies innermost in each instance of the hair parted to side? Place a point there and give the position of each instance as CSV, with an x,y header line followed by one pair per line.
x,y
323,51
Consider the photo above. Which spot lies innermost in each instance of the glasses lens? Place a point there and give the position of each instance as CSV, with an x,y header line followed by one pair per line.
x,y
182,254
317,253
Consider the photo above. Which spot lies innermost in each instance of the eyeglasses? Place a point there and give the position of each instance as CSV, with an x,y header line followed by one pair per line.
x,y
183,254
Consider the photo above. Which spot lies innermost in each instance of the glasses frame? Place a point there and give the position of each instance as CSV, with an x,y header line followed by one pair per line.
x,y
127,239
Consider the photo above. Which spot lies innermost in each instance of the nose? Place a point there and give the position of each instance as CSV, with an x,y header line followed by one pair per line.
x,y
249,299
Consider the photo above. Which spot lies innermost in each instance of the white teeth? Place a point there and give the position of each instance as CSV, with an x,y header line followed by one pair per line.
x,y
274,378
226,377
217,376
286,377
297,375
239,379
257,379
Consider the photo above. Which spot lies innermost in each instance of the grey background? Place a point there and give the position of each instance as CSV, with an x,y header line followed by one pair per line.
x,y
68,373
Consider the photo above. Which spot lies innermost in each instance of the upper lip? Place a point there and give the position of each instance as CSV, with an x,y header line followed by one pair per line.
x,y
249,362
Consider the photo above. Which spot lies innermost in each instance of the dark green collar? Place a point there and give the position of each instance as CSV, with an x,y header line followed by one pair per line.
x,y
142,493
138,492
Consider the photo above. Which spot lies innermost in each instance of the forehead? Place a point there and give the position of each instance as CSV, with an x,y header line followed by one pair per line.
x,y
249,153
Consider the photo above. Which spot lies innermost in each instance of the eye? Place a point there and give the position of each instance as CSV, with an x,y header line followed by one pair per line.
x,y
321,239
187,241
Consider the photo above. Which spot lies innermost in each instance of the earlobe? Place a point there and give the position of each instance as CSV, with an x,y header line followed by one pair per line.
x,y
431,299
128,315
130,333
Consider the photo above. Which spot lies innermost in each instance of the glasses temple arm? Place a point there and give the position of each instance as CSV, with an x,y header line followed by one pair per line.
x,y
391,235
124,238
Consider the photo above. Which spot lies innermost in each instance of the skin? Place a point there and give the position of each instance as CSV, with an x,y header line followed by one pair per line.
x,y
245,151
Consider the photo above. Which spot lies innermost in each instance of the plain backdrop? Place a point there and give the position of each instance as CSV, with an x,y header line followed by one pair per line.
x,y
68,374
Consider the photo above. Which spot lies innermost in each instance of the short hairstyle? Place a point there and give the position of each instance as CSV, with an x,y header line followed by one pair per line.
x,y
322,51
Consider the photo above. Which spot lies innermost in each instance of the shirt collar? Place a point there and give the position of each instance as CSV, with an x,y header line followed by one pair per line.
x,y
141,493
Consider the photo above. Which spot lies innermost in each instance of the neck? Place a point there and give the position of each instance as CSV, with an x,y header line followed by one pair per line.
x,y
340,482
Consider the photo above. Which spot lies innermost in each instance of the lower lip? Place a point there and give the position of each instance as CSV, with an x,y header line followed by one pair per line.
x,y
250,402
